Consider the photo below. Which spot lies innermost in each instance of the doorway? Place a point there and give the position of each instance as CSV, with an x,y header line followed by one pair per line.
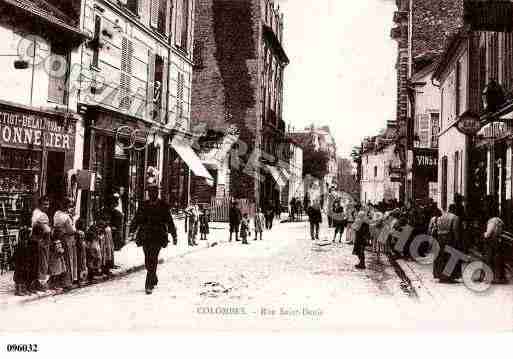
x,y
55,180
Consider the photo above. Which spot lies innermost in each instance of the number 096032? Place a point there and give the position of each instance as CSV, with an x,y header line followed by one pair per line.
x,y
22,348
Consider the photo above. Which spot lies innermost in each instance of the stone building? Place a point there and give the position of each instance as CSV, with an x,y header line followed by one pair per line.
x,y
347,179
135,84
421,30
39,40
238,81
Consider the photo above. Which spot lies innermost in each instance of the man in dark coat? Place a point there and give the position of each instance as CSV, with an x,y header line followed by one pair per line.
x,y
315,218
235,217
154,222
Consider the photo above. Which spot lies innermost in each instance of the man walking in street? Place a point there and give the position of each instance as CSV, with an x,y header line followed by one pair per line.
x,y
41,231
315,218
235,217
154,222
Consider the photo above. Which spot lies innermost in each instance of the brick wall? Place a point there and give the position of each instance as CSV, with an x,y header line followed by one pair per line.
x,y
226,81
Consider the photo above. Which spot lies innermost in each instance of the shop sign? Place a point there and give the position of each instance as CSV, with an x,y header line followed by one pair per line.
x,y
426,162
495,130
469,125
36,130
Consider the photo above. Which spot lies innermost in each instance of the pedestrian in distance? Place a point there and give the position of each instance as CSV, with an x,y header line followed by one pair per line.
x,y
153,223
235,217
244,229
339,221
192,214
315,219
259,223
204,220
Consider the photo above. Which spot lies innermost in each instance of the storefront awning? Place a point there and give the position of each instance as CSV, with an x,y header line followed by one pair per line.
x,y
276,173
192,160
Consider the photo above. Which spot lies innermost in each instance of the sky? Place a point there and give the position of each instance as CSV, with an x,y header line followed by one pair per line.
x,y
342,67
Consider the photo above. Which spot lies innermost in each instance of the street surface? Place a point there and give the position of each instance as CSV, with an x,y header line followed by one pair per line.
x,y
283,282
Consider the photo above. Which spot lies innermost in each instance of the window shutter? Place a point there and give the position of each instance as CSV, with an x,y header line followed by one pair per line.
x,y
126,71
57,84
164,95
179,98
144,11
179,22
150,87
154,15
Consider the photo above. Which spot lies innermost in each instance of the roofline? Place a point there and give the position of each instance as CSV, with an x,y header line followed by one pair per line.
x,y
448,54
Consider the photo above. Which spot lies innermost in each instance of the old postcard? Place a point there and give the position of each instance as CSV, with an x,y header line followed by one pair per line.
x,y
255,165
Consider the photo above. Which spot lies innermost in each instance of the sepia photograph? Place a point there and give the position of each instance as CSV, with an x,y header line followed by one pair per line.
x,y
255,166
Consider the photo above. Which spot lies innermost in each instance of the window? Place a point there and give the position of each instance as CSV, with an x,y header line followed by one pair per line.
x,y
435,129
375,171
96,50
132,5
58,74
494,56
457,88
482,72
162,21
157,88
182,24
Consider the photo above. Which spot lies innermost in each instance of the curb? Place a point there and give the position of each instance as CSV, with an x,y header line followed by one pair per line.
x,y
116,276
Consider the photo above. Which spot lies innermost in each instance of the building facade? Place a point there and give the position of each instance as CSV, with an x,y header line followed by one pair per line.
x,y
347,178
238,83
39,40
421,30
135,86
377,184
294,187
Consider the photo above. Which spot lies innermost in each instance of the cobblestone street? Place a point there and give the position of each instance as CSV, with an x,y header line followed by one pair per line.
x,y
283,282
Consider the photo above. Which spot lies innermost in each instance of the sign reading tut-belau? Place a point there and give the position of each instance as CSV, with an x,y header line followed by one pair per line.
x,y
37,130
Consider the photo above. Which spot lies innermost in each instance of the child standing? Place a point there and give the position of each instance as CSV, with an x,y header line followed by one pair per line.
x,y
244,229
259,223
204,226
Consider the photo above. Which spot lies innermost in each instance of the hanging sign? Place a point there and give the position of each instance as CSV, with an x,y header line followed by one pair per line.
x,y
469,124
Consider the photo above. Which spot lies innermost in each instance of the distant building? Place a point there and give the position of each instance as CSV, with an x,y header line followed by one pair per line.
x,y
238,81
347,180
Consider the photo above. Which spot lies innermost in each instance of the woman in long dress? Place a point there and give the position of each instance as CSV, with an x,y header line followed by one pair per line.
x,y
64,229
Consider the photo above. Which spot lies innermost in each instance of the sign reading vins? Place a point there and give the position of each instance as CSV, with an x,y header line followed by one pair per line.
x,y
35,130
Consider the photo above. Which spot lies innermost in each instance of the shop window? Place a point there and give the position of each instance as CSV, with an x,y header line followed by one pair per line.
x,y
58,74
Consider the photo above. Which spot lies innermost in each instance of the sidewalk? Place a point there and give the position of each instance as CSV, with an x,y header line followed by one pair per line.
x,y
456,299
129,259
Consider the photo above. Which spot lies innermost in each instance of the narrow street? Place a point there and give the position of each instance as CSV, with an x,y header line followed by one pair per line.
x,y
305,285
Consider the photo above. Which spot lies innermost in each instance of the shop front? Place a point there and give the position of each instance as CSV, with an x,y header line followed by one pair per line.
x,y
425,174
187,179
491,170
36,151
118,150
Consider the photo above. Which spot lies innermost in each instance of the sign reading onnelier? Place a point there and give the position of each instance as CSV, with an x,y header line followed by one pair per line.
x,y
36,130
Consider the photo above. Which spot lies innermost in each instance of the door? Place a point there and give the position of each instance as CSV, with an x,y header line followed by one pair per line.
x,y
55,180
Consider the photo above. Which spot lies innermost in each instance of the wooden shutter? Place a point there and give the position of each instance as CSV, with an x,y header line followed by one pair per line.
x,y
126,71
179,98
154,13
167,13
164,94
150,84
179,22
